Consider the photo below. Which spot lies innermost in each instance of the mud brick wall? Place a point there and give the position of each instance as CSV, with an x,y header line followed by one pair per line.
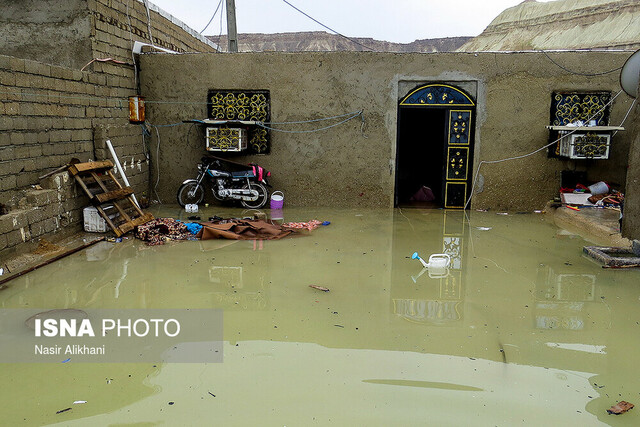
x,y
71,33
128,142
55,106
48,115
116,23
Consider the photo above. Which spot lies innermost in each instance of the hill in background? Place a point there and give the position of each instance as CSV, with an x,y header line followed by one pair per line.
x,y
563,24
321,41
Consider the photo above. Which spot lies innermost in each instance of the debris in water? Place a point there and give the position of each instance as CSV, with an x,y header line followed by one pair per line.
x,y
483,228
171,403
66,360
620,408
339,326
63,410
79,402
320,288
46,247
211,394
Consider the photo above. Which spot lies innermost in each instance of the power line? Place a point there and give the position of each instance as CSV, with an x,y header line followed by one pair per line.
x,y
328,28
577,72
212,17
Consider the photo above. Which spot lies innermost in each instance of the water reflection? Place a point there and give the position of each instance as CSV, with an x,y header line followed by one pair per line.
x,y
519,311
440,299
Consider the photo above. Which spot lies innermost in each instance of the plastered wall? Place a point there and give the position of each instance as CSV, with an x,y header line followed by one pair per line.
x,y
354,164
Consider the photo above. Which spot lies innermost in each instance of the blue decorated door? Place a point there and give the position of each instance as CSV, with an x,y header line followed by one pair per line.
x,y
435,147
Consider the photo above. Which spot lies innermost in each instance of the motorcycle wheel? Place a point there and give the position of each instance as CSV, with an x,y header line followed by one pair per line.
x,y
263,196
185,189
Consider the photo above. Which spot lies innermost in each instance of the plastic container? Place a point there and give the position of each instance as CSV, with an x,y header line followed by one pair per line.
x,y
599,188
277,215
191,208
93,222
435,261
277,200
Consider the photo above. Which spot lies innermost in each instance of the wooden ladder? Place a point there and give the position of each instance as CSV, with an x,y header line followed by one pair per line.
x,y
102,187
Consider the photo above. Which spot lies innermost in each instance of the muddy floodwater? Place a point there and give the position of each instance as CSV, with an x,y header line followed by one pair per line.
x,y
521,329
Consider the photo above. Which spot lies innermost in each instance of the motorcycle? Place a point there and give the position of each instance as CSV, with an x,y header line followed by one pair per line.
x,y
246,183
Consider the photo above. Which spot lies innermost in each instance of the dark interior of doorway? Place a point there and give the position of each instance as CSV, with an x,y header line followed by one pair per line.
x,y
420,161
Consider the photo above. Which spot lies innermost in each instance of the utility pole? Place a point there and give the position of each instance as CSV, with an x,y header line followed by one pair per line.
x,y
232,31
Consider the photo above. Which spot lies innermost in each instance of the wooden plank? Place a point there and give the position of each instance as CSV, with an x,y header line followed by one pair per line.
x,y
99,181
88,179
121,211
136,222
79,168
122,222
114,195
107,220
83,186
113,178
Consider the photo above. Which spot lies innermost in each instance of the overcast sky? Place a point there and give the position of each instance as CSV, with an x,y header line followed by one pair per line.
x,y
401,21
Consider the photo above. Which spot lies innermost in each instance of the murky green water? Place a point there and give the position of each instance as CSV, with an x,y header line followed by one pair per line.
x,y
521,330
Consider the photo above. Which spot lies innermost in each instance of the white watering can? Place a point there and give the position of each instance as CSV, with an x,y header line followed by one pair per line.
x,y
435,260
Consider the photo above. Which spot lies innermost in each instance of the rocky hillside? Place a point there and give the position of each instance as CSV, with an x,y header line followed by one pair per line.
x,y
320,41
562,24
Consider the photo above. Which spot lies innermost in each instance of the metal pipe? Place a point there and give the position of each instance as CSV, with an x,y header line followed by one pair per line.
x,y
120,170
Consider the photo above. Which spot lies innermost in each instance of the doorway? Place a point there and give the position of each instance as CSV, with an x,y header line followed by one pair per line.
x,y
420,157
434,147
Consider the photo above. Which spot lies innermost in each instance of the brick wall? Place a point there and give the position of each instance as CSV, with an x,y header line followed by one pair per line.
x,y
49,115
116,23
52,113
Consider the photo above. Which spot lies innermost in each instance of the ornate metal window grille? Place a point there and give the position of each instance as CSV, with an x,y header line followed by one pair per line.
x,y
570,107
245,105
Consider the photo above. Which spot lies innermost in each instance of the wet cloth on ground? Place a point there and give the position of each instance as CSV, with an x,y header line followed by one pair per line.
x,y
242,229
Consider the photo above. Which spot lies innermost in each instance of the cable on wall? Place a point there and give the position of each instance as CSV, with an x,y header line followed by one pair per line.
x,y
352,116
475,178
146,5
577,73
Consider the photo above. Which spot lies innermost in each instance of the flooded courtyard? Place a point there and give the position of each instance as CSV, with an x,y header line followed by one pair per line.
x,y
522,329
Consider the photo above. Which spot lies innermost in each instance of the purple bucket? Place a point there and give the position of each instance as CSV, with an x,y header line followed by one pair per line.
x,y
277,200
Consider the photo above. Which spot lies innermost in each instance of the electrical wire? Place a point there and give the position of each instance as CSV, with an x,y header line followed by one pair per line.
x,y
329,28
146,5
577,72
475,178
155,188
212,17
262,125
627,115
133,56
315,120
224,4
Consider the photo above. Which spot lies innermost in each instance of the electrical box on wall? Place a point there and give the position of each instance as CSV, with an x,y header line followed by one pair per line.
x,y
226,139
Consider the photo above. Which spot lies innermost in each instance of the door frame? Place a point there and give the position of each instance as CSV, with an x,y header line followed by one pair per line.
x,y
459,141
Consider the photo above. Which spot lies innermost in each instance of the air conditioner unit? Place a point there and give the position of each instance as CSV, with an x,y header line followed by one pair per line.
x,y
589,145
226,139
